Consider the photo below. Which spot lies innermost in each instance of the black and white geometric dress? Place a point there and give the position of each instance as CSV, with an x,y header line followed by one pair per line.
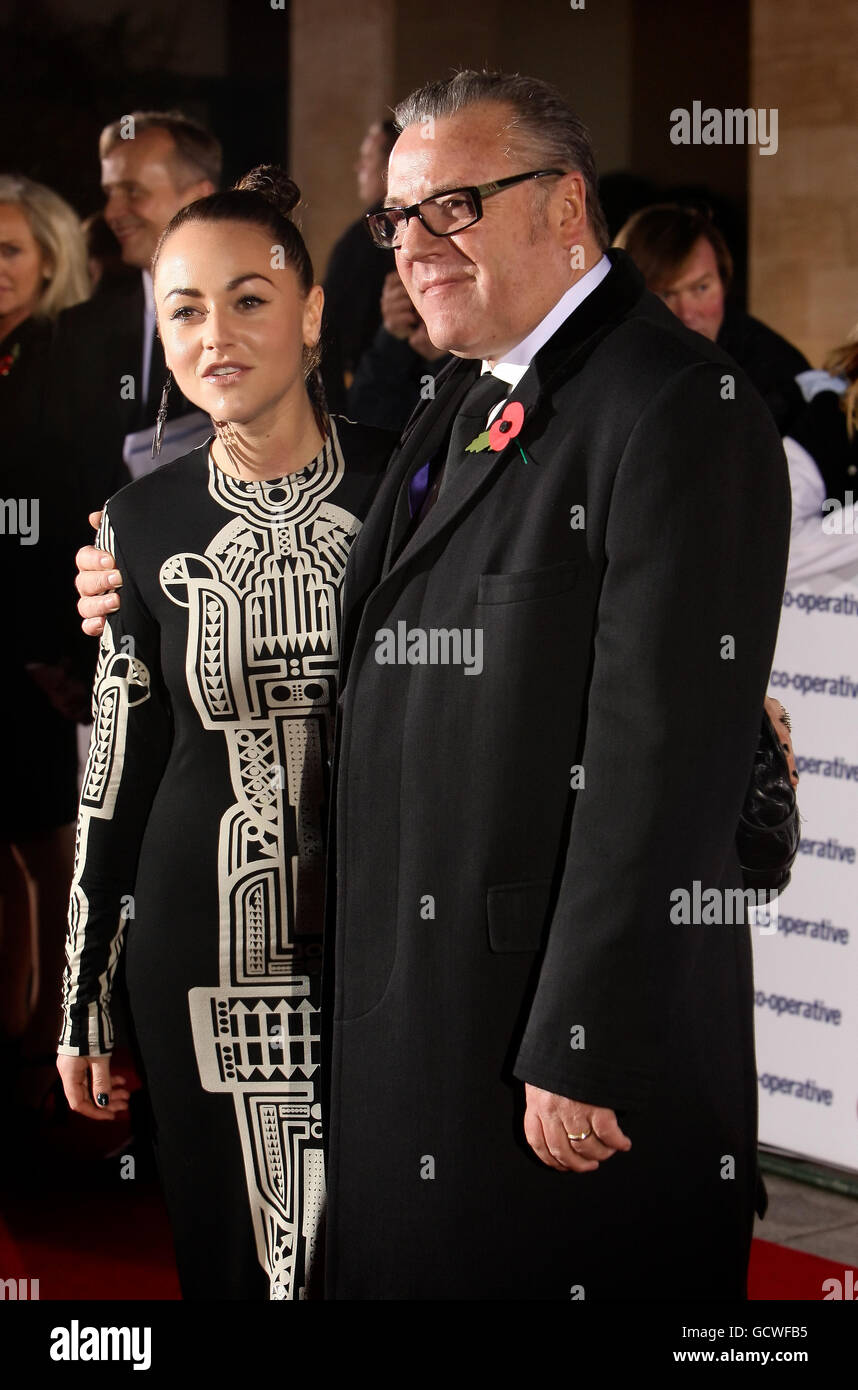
x,y
201,843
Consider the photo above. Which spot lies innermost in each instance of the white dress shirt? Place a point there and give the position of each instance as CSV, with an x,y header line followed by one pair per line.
x,y
514,364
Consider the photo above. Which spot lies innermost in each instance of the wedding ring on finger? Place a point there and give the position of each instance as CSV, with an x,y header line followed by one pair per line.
x,y
578,1138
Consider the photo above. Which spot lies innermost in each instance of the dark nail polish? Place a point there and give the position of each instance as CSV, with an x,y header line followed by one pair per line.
x,y
102,1098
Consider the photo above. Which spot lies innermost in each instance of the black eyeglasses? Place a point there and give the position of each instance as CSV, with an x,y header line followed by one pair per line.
x,y
445,213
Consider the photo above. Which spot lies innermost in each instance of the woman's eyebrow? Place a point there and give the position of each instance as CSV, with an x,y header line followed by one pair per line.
x,y
231,285
251,275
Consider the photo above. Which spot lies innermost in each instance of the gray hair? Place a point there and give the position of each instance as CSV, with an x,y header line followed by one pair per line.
x,y
57,230
197,153
544,126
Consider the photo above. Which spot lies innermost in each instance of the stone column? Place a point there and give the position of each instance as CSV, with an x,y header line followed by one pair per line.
x,y
803,208
341,80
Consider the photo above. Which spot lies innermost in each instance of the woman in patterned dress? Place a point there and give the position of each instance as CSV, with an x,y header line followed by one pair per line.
x,y
201,830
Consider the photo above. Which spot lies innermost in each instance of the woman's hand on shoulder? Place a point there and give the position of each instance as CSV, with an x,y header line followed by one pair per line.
x,y
96,582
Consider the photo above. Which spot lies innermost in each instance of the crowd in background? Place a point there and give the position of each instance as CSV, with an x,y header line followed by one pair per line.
x,y
82,377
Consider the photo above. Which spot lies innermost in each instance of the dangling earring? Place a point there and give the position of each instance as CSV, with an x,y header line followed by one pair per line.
x,y
161,417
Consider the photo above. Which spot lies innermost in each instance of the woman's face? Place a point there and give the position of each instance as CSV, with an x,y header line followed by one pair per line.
x,y
22,264
233,326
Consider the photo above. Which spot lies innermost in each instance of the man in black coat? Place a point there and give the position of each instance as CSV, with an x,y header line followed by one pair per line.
x,y
551,687
555,648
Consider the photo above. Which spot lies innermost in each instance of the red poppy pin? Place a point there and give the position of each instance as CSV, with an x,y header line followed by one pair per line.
x,y
8,362
501,432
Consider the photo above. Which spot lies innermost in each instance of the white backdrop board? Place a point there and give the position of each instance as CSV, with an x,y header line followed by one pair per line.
x,y
806,972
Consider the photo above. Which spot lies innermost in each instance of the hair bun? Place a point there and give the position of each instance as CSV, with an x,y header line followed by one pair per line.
x,y
274,185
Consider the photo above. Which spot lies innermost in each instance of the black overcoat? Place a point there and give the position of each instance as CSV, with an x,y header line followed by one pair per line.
x,y
510,840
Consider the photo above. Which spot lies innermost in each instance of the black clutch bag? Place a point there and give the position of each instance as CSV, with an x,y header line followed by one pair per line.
x,y
769,828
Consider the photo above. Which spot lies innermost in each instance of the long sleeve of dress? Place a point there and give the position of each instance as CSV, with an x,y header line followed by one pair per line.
x,y
131,735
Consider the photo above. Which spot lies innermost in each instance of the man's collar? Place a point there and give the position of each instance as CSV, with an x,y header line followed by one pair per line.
x,y
513,365
613,298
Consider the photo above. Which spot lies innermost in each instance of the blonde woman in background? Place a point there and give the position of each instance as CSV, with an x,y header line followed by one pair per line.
x,y
42,271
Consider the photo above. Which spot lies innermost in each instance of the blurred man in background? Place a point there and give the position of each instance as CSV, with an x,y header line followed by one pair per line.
x,y
108,372
356,270
686,261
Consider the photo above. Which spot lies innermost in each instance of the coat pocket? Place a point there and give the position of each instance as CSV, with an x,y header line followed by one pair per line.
x,y
528,584
516,915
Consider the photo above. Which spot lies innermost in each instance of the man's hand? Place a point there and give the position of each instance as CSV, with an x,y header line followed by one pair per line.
x,y
549,1121
398,314
97,575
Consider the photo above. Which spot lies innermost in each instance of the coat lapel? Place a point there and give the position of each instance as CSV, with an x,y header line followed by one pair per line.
x,y
424,433
428,437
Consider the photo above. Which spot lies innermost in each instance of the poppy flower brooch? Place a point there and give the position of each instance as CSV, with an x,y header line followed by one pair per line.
x,y
501,432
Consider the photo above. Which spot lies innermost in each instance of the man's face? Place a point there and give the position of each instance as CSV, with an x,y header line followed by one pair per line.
x,y
371,167
484,289
696,293
141,196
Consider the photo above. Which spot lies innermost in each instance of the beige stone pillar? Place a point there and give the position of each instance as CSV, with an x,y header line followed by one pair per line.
x,y
341,80
803,204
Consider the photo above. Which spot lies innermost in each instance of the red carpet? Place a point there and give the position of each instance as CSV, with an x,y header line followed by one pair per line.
x,y
70,1220
778,1272
105,1250
102,1247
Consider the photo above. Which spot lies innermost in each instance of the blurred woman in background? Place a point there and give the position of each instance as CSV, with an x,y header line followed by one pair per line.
x,y
42,270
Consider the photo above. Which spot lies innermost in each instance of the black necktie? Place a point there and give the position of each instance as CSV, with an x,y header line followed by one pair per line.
x,y
470,422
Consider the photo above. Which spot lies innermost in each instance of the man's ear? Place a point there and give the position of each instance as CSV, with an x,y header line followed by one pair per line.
x,y
572,205
201,189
